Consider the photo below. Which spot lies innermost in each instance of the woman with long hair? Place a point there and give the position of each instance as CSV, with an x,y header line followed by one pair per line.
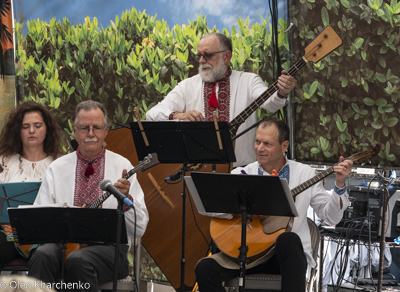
x,y
29,141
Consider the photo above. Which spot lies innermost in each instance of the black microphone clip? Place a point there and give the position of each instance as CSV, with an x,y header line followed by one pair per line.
x,y
174,177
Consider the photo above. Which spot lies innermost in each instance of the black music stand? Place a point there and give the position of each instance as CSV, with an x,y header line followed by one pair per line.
x,y
14,194
241,194
187,143
38,225
184,142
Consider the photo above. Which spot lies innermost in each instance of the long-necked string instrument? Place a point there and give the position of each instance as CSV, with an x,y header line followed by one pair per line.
x,y
227,233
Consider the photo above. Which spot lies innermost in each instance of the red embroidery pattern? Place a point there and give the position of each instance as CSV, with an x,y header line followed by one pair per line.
x,y
87,188
224,96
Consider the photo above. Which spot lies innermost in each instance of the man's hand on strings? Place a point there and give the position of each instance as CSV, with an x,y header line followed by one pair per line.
x,y
286,83
342,170
123,185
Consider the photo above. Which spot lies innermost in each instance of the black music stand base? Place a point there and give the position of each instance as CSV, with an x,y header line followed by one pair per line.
x,y
243,250
120,215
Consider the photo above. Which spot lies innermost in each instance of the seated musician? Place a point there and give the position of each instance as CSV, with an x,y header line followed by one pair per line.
x,y
219,88
75,179
292,252
29,142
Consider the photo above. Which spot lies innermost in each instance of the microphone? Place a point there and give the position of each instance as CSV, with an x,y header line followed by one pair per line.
x,y
107,186
173,177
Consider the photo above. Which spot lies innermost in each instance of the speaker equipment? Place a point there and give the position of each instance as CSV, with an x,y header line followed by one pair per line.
x,y
393,215
362,218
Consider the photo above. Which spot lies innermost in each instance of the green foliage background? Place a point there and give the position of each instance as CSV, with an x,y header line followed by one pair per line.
x,y
342,104
134,62
352,99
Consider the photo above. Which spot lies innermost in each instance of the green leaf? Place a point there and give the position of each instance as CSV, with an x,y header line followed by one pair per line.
x,y
376,4
358,43
387,148
313,87
385,131
345,3
355,107
366,87
391,122
377,125
364,55
344,81
381,61
315,150
380,77
369,101
381,102
325,16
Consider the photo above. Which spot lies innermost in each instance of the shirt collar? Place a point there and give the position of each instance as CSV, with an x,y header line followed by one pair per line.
x,y
85,160
284,172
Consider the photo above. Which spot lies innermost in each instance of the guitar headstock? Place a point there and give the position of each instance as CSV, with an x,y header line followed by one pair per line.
x,y
324,43
150,160
362,156
147,162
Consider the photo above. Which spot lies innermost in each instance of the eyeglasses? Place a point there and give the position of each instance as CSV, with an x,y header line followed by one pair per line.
x,y
86,129
207,56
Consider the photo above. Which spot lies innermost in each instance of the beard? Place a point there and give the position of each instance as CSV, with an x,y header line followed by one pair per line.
x,y
216,72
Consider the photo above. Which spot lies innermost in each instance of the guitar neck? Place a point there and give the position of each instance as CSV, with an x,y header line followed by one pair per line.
x,y
238,120
106,195
320,176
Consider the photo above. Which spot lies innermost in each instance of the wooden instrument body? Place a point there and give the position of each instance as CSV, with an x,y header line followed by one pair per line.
x,y
227,235
163,236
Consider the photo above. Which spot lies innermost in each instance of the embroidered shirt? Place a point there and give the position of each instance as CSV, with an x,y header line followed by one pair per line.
x,y
221,88
87,186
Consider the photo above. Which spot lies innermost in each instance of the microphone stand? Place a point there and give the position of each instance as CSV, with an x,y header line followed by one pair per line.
x,y
120,213
183,260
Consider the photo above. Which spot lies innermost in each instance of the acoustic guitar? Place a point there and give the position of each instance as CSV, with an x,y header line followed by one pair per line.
x,y
227,233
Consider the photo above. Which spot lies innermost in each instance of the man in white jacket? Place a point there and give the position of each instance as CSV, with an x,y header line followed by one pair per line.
x,y
218,88
292,250
75,179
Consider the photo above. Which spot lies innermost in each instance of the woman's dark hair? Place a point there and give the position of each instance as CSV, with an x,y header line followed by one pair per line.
x,y
10,137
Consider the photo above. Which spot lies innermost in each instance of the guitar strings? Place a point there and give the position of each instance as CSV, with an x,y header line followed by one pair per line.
x,y
106,195
293,70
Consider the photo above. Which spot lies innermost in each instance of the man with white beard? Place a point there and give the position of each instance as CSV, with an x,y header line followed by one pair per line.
x,y
219,88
